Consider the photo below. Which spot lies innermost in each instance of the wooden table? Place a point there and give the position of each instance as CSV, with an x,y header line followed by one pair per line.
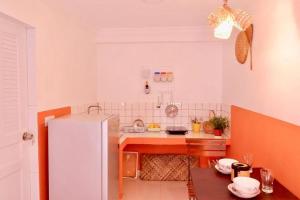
x,y
211,185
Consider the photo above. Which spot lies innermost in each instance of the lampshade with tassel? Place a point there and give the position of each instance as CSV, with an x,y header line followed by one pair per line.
x,y
224,18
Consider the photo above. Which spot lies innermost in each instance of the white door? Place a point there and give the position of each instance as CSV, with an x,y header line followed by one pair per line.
x,y
14,152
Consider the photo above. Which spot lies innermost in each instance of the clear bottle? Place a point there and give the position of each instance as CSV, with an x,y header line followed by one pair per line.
x,y
147,88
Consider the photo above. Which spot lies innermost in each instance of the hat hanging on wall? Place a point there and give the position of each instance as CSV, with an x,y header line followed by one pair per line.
x,y
243,45
225,18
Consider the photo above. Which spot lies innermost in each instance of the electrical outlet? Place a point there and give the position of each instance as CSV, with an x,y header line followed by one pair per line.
x,y
48,118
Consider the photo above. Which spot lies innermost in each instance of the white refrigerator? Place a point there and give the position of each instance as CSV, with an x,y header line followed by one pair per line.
x,y
83,157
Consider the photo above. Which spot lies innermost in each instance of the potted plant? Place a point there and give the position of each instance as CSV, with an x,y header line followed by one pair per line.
x,y
196,125
220,123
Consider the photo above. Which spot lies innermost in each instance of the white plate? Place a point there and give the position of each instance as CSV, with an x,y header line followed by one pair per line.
x,y
238,194
221,170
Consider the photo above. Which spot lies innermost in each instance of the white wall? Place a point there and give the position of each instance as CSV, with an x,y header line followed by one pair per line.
x,y
65,54
193,56
273,87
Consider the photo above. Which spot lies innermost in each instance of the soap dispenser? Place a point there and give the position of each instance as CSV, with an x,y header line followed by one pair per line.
x,y
147,88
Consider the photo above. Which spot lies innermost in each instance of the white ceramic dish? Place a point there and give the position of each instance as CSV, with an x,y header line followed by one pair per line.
x,y
246,185
239,194
221,170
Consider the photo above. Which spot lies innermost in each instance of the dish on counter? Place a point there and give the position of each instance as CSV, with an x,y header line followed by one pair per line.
x,y
176,130
132,129
138,126
154,127
138,123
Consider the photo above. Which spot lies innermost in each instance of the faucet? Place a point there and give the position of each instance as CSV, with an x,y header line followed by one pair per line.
x,y
94,106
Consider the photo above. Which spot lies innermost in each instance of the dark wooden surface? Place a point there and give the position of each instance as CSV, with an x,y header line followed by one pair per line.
x,y
212,185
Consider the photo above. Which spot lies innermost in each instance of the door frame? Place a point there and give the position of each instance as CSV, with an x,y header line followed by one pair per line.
x,y
32,105
33,110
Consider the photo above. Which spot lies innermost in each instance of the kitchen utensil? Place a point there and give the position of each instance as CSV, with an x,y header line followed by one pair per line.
x,y
176,130
138,123
171,110
132,129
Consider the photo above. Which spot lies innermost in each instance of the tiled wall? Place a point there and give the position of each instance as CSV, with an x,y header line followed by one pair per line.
x,y
149,112
76,109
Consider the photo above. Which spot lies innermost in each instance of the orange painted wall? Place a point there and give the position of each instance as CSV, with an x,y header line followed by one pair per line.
x,y
43,147
275,144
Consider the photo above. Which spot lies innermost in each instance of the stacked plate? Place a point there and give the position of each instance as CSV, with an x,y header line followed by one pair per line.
x,y
244,187
224,165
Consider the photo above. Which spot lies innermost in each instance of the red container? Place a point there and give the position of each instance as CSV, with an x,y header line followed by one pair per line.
x,y
218,132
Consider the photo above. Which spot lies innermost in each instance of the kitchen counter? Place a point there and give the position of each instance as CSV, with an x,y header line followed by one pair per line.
x,y
179,138
164,143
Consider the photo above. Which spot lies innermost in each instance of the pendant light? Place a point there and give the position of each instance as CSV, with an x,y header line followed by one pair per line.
x,y
224,18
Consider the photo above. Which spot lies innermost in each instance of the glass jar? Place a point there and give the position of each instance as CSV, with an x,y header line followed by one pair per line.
x,y
240,169
156,76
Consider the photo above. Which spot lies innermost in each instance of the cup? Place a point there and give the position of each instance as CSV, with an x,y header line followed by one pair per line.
x,y
239,169
248,159
267,180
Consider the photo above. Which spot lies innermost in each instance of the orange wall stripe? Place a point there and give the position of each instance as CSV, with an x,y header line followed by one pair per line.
x,y
43,147
275,144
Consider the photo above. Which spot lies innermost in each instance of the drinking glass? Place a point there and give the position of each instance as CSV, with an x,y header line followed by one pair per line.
x,y
248,159
267,180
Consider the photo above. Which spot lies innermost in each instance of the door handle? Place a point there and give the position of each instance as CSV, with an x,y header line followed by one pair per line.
x,y
27,136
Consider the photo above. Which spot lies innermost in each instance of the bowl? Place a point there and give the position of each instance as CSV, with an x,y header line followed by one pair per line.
x,y
246,185
225,163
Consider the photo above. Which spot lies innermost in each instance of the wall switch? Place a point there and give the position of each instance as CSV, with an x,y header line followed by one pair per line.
x,y
48,118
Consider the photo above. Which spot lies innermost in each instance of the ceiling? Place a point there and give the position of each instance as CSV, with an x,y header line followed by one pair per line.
x,y
141,13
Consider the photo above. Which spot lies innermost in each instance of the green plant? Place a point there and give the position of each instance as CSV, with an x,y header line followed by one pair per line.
x,y
219,122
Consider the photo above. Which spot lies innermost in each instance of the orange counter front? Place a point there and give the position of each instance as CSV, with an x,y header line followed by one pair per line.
x,y
162,143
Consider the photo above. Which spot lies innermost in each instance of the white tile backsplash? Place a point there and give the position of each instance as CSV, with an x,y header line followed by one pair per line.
x,y
149,113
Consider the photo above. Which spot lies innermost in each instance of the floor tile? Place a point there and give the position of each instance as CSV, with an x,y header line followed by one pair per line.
x,y
174,191
154,190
